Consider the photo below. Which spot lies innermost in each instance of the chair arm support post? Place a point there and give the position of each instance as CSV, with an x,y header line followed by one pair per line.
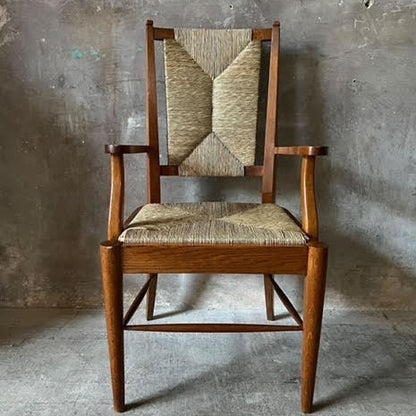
x,y
310,223
116,211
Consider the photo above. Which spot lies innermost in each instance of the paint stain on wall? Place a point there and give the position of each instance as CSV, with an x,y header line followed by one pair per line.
x,y
61,81
95,54
77,54
4,16
5,36
92,54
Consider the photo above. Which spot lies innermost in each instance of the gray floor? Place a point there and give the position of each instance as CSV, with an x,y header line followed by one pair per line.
x,y
55,362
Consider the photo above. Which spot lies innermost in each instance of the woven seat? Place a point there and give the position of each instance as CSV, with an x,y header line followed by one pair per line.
x,y
213,223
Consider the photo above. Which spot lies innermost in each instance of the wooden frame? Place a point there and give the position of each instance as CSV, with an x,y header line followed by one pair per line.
x,y
309,259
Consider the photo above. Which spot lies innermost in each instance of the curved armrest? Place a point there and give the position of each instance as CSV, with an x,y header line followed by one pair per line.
x,y
116,211
310,223
121,149
301,150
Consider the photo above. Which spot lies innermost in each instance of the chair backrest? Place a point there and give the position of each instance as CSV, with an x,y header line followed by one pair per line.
x,y
212,83
212,86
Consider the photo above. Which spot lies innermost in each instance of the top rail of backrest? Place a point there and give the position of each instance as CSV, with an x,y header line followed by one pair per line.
x,y
168,33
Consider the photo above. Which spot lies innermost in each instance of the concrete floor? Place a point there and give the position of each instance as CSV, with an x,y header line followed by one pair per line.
x,y
54,361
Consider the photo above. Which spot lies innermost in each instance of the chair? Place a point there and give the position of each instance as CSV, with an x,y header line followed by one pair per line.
x,y
212,79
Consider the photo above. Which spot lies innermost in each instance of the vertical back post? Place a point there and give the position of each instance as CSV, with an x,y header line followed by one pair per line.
x,y
153,161
268,185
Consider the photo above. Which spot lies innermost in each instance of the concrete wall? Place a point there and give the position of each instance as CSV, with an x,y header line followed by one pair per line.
x,y
72,79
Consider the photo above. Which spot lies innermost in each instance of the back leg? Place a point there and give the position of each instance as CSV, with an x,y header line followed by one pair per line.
x,y
151,296
269,293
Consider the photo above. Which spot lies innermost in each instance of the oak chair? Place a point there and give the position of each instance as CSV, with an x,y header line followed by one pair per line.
x,y
212,79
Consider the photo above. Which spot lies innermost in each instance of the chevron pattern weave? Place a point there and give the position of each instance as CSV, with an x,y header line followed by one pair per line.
x,y
212,78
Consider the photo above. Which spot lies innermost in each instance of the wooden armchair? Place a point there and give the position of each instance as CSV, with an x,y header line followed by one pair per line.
x,y
212,81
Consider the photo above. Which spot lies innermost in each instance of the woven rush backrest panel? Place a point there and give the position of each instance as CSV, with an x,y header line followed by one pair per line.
x,y
212,81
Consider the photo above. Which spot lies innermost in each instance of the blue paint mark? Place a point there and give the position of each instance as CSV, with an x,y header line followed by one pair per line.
x,y
77,54
139,49
92,54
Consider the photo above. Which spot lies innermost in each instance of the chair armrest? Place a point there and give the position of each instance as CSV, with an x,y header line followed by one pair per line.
x,y
116,210
120,149
301,150
310,223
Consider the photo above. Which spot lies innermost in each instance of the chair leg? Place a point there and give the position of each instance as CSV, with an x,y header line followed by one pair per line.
x,y
269,293
113,302
314,292
151,296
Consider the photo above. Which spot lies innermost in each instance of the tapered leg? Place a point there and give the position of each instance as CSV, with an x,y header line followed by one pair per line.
x,y
113,303
151,296
269,292
313,306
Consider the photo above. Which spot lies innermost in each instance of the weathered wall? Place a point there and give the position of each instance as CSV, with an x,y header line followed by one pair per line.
x,y
72,79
